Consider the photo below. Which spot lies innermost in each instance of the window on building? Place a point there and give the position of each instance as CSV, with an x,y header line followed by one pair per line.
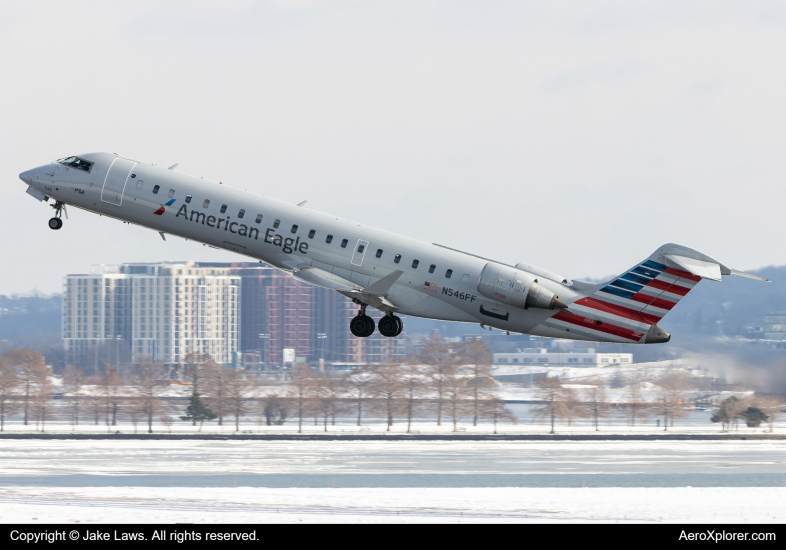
x,y
397,259
329,239
294,229
588,360
241,213
155,189
624,360
223,208
431,268
604,360
188,199
415,264
171,193
573,360
206,203
448,273
259,219
379,253
543,360
515,360
344,243
276,224
311,234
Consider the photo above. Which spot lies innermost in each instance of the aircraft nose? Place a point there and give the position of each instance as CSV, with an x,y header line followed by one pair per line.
x,y
27,176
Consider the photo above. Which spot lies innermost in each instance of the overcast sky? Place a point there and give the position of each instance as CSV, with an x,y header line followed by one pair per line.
x,y
578,136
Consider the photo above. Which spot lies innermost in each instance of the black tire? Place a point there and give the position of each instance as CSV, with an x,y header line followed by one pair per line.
x,y
371,327
55,223
388,326
362,326
400,324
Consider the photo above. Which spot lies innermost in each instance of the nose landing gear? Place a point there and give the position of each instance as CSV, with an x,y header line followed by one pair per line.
x,y
56,222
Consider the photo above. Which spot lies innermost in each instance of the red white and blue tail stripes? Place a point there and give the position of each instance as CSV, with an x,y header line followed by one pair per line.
x,y
625,309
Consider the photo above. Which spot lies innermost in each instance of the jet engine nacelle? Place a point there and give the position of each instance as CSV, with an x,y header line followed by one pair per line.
x,y
516,288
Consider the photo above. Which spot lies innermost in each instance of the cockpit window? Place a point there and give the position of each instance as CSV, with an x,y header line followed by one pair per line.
x,y
76,162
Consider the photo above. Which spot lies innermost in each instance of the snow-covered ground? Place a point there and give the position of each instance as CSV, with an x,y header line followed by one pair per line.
x,y
414,505
391,481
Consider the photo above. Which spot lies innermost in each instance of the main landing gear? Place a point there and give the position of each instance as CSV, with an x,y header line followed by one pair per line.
x,y
56,222
362,325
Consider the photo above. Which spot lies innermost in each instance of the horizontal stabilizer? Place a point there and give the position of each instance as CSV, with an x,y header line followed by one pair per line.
x,y
749,275
699,268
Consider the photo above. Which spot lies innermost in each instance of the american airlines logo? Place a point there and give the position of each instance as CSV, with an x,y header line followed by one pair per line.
x,y
161,210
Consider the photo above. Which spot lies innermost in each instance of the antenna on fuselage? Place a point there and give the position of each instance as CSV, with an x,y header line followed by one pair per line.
x,y
175,165
302,203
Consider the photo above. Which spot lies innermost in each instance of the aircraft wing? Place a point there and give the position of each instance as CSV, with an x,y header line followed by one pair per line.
x,y
374,295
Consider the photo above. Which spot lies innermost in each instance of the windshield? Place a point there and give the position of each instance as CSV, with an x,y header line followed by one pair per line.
x,y
76,162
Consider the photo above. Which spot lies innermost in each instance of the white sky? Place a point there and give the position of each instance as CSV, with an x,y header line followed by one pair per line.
x,y
578,136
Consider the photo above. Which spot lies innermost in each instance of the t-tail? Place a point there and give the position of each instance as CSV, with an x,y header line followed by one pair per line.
x,y
629,307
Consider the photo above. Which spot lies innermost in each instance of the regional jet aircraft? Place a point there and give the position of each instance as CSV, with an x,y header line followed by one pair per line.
x,y
376,268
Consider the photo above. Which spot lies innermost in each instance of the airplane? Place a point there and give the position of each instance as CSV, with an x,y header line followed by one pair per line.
x,y
376,268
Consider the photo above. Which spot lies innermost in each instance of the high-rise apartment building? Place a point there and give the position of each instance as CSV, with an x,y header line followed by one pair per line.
x,y
161,311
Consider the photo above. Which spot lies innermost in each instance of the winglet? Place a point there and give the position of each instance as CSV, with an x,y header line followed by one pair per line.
x,y
381,287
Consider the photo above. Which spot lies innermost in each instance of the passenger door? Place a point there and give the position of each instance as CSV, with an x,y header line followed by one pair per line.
x,y
116,179
360,251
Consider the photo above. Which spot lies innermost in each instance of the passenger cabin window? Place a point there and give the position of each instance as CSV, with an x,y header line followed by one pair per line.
x,y
415,264
241,213
344,243
276,224
432,268
259,219
379,253
155,189
171,193
361,248
206,203
139,184
76,162
397,259
329,239
188,198
223,208
311,234
448,273
294,229
465,278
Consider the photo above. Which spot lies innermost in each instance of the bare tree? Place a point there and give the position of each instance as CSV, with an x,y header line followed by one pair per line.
x,y
9,382
668,402
196,368
596,402
238,390
302,391
551,395
456,396
573,407
41,403
328,396
148,374
772,406
387,389
275,410
637,406
32,369
413,386
217,380
477,358
110,393
440,358
358,386
494,409
74,380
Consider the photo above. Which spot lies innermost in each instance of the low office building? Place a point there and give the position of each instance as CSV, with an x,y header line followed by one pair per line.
x,y
538,357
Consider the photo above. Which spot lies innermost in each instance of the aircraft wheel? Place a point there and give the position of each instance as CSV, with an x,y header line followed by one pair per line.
x,y
388,326
362,326
400,324
55,223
